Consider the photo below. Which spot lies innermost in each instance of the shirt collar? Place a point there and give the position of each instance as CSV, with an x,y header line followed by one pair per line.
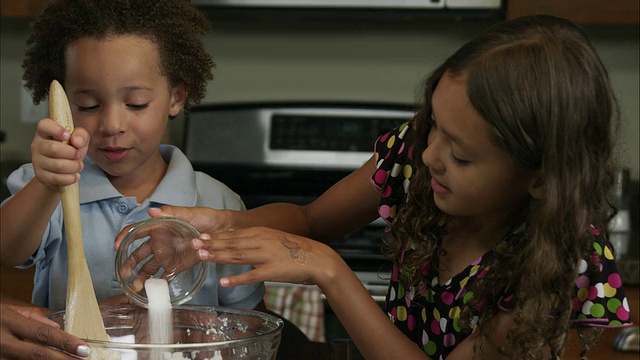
x,y
176,188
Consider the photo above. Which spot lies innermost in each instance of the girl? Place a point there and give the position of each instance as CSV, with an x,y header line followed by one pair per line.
x,y
127,66
496,199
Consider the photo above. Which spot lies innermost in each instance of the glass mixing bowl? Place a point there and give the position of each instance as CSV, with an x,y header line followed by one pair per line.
x,y
160,248
199,332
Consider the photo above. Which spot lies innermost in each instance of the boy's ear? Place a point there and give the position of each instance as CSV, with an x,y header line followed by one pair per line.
x,y
536,185
177,100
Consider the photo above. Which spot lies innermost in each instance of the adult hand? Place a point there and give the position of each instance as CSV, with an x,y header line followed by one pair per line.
x,y
275,256
54,162
25,333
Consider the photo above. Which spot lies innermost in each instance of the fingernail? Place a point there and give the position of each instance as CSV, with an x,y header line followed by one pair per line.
x,y
83,350
65,134
137,285
197,243
126,271
203,254
205,236
224,282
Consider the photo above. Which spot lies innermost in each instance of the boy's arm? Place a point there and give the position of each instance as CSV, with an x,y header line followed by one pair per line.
x,y
57,157
24,218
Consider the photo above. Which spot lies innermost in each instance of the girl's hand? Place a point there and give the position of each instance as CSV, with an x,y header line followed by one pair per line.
x,y
165,252
54,162
164,249
27,334
202,218
275,255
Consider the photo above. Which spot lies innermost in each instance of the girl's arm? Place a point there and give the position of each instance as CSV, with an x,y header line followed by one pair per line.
x,y
498,326
325,219
283,257
279,256
368,326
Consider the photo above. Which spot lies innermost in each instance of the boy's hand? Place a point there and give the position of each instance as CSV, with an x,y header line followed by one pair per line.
x,y
57,155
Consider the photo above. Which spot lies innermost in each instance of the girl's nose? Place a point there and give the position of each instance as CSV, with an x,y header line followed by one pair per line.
x,y
112,121
431,155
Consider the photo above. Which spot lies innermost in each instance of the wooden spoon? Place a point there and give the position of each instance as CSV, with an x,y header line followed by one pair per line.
x,y
82,317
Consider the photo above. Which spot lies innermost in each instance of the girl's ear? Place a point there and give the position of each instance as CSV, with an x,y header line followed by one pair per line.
x,y
536,185
177,100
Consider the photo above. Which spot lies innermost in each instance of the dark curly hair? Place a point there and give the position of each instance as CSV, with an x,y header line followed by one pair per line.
x,y
174,25
542,87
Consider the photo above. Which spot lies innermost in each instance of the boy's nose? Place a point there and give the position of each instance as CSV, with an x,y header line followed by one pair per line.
x,y
112,121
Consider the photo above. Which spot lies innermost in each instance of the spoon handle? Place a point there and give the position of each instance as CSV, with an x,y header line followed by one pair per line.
x,y
82,317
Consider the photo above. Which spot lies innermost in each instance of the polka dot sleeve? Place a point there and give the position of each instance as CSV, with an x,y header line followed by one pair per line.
x,y
599,298
393,154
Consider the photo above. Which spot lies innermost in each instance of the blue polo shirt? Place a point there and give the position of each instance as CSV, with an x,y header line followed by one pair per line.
x,y
105,212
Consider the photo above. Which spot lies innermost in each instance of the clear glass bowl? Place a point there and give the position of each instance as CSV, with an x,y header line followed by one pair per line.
x,y
160,248
199,332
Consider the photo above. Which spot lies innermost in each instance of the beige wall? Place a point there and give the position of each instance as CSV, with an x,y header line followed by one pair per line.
x,y
370,62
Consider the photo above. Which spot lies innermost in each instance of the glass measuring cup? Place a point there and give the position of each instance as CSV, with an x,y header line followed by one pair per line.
x,y
160,248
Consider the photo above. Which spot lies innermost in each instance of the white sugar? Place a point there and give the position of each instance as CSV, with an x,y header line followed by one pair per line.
x,y
160,319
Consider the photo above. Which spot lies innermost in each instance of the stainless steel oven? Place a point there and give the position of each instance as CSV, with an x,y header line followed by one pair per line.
x,y
288,152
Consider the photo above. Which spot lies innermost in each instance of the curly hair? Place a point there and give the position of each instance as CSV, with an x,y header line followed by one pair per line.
x,y
174,25
542,87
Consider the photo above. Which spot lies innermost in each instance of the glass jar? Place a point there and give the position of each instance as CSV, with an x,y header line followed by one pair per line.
x,y
160,248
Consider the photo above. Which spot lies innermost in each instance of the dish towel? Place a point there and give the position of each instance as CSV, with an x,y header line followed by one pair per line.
x,y
300,304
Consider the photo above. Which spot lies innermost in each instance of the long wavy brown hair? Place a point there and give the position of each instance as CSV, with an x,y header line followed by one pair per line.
x,y
541,85
174,25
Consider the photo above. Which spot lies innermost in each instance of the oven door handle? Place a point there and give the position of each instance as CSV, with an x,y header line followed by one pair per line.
x,y
376,298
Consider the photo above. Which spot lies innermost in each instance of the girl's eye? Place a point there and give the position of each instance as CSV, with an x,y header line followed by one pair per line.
x,y
138,106
457,160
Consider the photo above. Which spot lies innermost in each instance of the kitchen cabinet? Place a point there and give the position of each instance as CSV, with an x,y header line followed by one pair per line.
x,y
21,8
580,11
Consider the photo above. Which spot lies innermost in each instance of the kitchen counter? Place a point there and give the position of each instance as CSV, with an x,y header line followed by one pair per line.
x,y
19,282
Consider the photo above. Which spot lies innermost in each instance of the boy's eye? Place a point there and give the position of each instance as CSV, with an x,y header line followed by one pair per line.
x,y
87,108
138,106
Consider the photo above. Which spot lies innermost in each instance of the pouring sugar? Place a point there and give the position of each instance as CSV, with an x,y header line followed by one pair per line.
x,y
160,318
